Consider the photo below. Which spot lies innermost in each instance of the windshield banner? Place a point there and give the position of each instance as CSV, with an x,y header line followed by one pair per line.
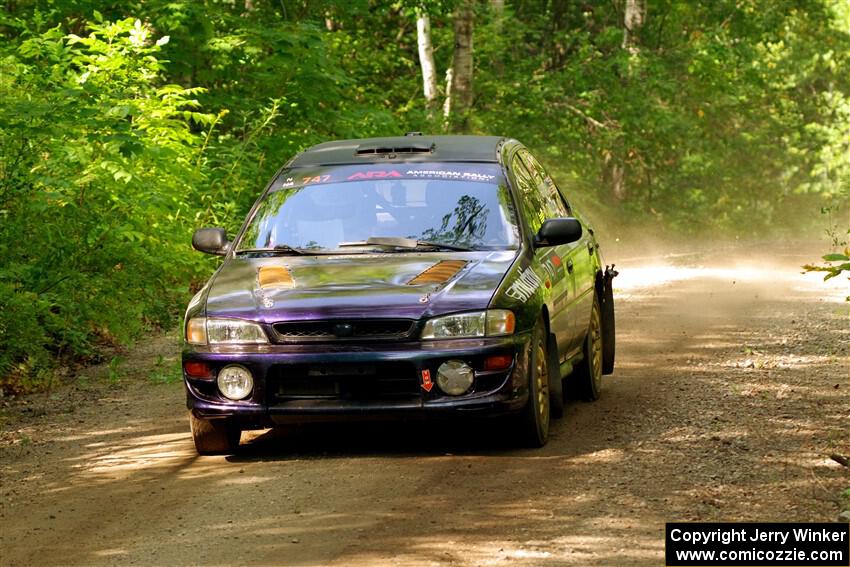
x,y
473,172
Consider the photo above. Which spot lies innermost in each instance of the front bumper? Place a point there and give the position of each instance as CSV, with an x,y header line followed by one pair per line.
x,y
298,383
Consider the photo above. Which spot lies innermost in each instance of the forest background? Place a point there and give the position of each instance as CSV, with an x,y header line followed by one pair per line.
x,y
126,125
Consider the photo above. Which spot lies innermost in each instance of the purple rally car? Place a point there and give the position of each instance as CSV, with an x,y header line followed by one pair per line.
x,y
426,275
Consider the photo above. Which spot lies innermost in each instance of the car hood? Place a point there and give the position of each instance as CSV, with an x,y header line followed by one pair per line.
x,y
399,285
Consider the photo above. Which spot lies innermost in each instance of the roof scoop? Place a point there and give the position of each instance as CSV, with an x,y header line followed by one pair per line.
x,y
371,150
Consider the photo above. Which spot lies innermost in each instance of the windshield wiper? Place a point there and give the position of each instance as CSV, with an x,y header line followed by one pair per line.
x,y
401,242
445,245
276,249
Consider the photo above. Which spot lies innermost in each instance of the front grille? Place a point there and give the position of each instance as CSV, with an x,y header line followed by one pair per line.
x,y
340,330
356,382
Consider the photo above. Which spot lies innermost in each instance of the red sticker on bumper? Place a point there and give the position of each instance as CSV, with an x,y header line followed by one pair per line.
x,y
426,380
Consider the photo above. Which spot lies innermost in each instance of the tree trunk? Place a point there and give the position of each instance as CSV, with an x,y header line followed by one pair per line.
x,y
498,7
461,88
614,176
614,169
634,19
556,47
426,60
447,105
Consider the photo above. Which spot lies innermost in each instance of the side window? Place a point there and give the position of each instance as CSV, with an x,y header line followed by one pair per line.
x,y
557,205
534,210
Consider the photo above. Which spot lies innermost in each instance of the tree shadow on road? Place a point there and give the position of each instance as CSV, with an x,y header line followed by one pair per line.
x,y
724,407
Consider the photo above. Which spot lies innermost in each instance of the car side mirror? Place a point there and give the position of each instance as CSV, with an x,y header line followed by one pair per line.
x,y
211,241
558,231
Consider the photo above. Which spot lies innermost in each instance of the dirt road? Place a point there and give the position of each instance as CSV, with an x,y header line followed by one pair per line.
x,y
732,389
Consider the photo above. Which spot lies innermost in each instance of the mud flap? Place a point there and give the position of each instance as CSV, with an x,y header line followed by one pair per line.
x,y
606,307
556,383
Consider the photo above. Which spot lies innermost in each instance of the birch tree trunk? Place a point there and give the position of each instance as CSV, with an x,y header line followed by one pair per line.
x,y
498,7
615,169
614,176
447,105
633,20
461,80
426,60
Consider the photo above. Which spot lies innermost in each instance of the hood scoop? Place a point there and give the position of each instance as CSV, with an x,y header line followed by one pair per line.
x,y
274,276
439,273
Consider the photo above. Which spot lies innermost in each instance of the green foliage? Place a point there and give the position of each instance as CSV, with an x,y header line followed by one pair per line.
x,y
832,270
98,160
114,369
838,239
125,125
837,263
726,116
165,372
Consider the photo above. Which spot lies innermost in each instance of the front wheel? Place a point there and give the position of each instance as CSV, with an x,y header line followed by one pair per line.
x,y
213,437
534,421
587,378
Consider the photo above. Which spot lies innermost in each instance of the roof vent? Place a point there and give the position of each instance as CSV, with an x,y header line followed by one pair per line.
x,y
407,149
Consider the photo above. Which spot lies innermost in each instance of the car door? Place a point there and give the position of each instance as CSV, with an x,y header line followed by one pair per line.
x,y
538,206
576,256
585,267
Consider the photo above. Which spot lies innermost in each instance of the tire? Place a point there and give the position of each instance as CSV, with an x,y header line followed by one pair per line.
x,y
213,437
587,377
556,383
609,336
534,420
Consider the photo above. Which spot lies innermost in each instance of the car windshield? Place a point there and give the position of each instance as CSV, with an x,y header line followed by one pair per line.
x,y
340,209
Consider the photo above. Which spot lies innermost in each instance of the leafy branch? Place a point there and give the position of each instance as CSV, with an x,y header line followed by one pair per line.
x,y
832,271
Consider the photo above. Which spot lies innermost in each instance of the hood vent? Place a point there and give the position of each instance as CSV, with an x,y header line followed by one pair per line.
x,y
274,276
440,272
408,149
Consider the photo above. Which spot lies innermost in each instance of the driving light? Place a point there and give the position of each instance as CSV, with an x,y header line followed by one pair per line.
x,y
490,323
235,382
454,377
202,330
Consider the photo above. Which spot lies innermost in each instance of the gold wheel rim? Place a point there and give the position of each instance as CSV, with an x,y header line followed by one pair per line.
x,y
542,381
596,346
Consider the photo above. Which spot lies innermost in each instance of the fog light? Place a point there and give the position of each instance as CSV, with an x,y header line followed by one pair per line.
x,y
454,377
235,382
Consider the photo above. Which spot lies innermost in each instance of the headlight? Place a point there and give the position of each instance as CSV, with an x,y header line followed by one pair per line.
x,y
235,382
490,323
202,330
